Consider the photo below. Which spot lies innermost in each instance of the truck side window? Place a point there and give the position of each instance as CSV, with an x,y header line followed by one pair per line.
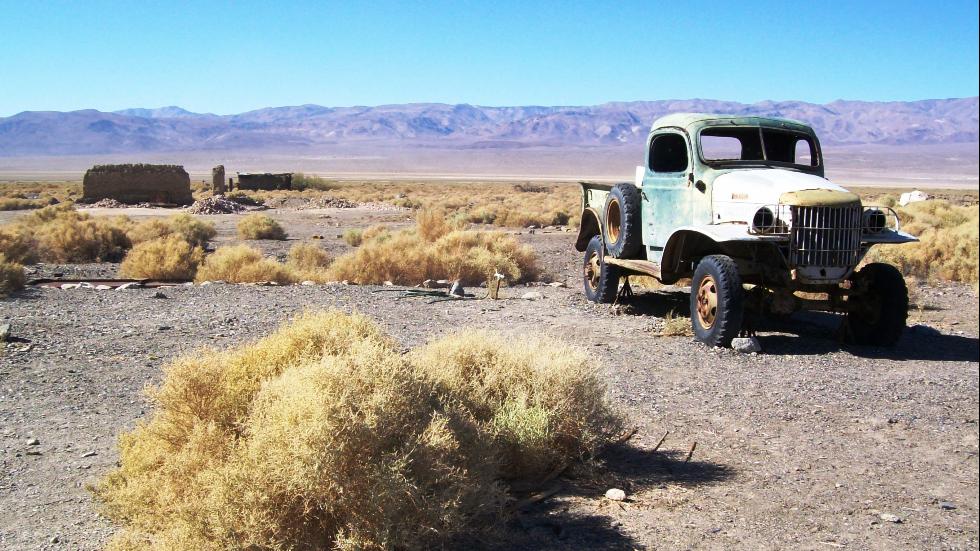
x,y
668,153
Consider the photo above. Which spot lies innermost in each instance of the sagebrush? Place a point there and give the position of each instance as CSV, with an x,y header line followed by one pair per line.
x,y
11,276
325,436
171,257
260,226
243,264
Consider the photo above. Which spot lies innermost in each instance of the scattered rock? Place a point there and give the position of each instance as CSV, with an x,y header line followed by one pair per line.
x,y
615,494
216,204
532,295
4,332
457,289
889,517
158,294
103,287
308,282
947,505
556,284
90,454
164,327
746,345
33,442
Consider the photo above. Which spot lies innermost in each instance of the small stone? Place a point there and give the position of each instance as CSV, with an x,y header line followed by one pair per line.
x,y
889,517
615,494
54,539
308,282
158,294
947,505
103,287
556,284
4,332
33,442
746,345
457,289
70,285
164,327
533,295
90,454
130,285
389,283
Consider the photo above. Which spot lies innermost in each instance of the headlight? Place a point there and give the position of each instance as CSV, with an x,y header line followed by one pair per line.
x,y
873,221
764,221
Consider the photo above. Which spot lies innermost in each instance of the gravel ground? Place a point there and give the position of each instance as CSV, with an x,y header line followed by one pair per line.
x,y
809,444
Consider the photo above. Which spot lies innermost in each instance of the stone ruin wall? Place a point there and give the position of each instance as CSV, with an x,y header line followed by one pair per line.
x,y
267,182
218,179
138,183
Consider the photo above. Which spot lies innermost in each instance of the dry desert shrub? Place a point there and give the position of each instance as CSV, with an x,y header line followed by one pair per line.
x,y
308,262
11,276
171,257
62,234
408,257
15,203
324,436
243,264
676,326
354,237
543,404
260,226
18,246
194,231
949,239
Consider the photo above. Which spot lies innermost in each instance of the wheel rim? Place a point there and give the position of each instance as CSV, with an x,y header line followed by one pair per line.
x,y
613,221
593,271
707,302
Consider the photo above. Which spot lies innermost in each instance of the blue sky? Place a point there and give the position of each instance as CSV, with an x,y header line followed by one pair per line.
x,y
229,57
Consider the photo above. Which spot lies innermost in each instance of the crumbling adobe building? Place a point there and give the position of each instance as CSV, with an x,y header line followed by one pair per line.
x,y
256,182
138,183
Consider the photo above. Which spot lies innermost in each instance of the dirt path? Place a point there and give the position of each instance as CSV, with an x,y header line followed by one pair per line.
x,y
803,446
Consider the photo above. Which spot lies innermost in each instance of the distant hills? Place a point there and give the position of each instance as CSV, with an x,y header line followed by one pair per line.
x,y
89,132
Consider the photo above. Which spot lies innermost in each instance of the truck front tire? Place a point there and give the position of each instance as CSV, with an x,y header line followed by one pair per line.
x,y
877,313
621,221
600,279
716,301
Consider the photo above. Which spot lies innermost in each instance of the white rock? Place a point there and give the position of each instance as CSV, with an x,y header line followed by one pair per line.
x,y
533,295
130,285
889,517
746,345
615,494
912,197
103,287
557,284
308,282
71,285
4,332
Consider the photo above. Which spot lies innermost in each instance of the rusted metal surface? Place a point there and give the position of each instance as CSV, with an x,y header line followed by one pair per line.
x,y
644,267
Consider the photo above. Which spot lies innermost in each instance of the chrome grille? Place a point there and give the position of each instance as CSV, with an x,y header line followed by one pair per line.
x,y
825,236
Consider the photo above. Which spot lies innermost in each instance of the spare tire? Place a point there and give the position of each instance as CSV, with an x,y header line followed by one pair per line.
x,y
621,221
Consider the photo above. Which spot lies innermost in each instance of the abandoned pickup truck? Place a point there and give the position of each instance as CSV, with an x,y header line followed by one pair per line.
x,y
740,206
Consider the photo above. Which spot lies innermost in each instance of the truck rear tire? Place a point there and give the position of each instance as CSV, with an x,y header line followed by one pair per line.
x,y
717,300
877,316
621,221
600,279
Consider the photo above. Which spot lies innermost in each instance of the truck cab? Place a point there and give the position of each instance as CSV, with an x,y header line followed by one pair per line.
x,y
741,206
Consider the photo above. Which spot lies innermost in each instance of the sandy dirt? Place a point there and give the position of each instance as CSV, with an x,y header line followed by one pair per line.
x,y
808,445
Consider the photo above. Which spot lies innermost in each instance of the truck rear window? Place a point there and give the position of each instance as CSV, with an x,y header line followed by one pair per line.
x,y
756,145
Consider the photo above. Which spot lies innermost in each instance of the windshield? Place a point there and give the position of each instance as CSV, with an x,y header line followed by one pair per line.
x,y
754,145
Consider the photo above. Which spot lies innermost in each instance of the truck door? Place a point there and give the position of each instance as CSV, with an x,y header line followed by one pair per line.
x,y
666,189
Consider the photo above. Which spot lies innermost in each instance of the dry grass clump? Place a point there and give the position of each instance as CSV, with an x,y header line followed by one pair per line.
x,y
435,249
354,237
171,257
324,436
949,239
61,234
260,226
243,264
11,276
14,203
18,246
308,262
193,230
676,326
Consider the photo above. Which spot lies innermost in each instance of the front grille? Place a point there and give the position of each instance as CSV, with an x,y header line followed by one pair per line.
x,y
825,236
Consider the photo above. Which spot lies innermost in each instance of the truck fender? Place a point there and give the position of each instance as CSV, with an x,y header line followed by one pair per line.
x,y
588,228
690,242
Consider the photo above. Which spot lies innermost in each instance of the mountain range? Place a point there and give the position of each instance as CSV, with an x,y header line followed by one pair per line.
x,y
90,132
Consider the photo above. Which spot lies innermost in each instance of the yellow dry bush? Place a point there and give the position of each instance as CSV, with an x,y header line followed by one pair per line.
x,y
431,224
61,234
308,262
408,258
242,264
324,436
260,226
14,203
194,231
18,246
11,276
354,237
377,231
949,239
544,404
170,257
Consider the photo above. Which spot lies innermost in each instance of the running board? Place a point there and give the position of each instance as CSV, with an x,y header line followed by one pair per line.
x,y
644,267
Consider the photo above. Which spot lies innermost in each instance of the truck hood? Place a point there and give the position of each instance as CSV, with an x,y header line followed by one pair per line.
x,y
765,186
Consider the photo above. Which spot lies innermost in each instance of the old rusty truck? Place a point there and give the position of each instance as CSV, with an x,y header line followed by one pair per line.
x,y
740,205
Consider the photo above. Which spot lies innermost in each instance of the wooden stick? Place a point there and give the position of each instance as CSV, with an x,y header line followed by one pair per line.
x,y
662,438
690,452
538,497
